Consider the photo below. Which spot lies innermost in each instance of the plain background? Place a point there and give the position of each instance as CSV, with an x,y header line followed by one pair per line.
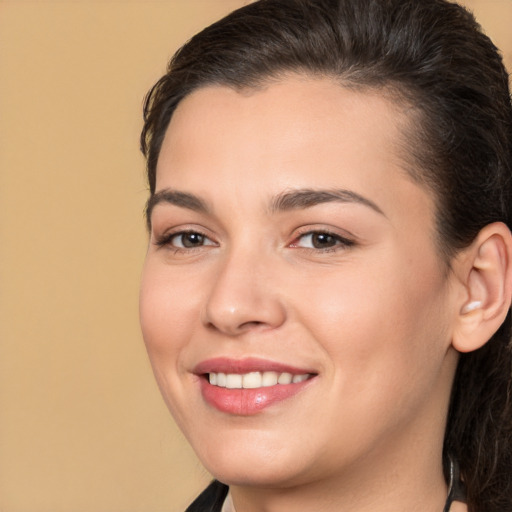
x,y
82,424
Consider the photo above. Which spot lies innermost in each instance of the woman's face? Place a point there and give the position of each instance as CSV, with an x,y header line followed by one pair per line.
x,y
288,243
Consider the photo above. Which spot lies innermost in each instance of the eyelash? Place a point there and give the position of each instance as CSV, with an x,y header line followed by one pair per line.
x,y
166,240
340,242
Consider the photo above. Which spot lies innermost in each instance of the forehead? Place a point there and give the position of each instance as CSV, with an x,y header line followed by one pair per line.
x,y
294,106
296,133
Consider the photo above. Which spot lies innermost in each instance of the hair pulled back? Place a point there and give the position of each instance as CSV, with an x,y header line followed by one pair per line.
x,y
432,56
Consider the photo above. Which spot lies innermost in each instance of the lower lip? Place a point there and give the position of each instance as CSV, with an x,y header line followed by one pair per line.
x,y
246,402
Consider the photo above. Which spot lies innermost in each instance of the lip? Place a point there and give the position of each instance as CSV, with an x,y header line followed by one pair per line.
x,y
246,365
247,402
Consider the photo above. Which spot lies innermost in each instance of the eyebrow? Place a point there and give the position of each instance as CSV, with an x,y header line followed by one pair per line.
x,y
291,200
176,198
306,198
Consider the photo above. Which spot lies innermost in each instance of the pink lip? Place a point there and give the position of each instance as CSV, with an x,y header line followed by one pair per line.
x,y
250,364
246,402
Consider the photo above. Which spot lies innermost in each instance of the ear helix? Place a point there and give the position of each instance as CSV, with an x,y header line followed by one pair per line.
x,y
471,306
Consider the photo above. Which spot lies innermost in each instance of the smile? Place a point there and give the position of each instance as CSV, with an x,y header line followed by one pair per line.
x,y
249,386
254,380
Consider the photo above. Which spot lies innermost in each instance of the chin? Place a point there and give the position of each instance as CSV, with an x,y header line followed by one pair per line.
x,y
251,464
269,476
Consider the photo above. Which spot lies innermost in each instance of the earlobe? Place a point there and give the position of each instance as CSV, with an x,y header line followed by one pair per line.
x,y
487,279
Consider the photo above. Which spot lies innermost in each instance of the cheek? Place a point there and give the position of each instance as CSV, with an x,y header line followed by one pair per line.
x,y
380,326
163,317
165,323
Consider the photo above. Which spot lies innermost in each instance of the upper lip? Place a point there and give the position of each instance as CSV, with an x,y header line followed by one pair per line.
x,y
246,365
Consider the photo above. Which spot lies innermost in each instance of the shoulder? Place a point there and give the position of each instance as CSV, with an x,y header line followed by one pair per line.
x,y
211,499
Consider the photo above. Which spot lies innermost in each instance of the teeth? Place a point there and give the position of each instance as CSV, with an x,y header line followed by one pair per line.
x,y
269,379
254,380
233,381
221,380
285,378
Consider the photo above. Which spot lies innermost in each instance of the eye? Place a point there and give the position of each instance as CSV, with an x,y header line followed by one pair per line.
x,y
189,240
321,240
185,240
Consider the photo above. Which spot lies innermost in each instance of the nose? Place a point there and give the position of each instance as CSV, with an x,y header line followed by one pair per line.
x,y
244,296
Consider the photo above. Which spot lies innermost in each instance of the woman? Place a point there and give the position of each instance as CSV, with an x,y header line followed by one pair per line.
x,y
326,295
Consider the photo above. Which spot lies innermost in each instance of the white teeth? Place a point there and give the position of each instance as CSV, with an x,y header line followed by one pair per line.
x,y
253,380
221,380
233,381
269,379
284,378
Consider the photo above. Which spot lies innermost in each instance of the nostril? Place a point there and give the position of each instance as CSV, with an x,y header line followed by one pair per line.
x,y
252,324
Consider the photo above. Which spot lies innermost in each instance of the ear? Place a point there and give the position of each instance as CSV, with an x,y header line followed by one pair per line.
x,y
485,273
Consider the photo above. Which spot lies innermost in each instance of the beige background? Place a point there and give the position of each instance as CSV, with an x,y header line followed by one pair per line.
x,y
82,425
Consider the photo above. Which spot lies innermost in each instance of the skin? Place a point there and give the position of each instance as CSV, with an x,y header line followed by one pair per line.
x,y
373,319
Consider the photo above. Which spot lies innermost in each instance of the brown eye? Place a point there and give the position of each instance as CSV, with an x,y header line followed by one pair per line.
x,y
189,240
321,240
